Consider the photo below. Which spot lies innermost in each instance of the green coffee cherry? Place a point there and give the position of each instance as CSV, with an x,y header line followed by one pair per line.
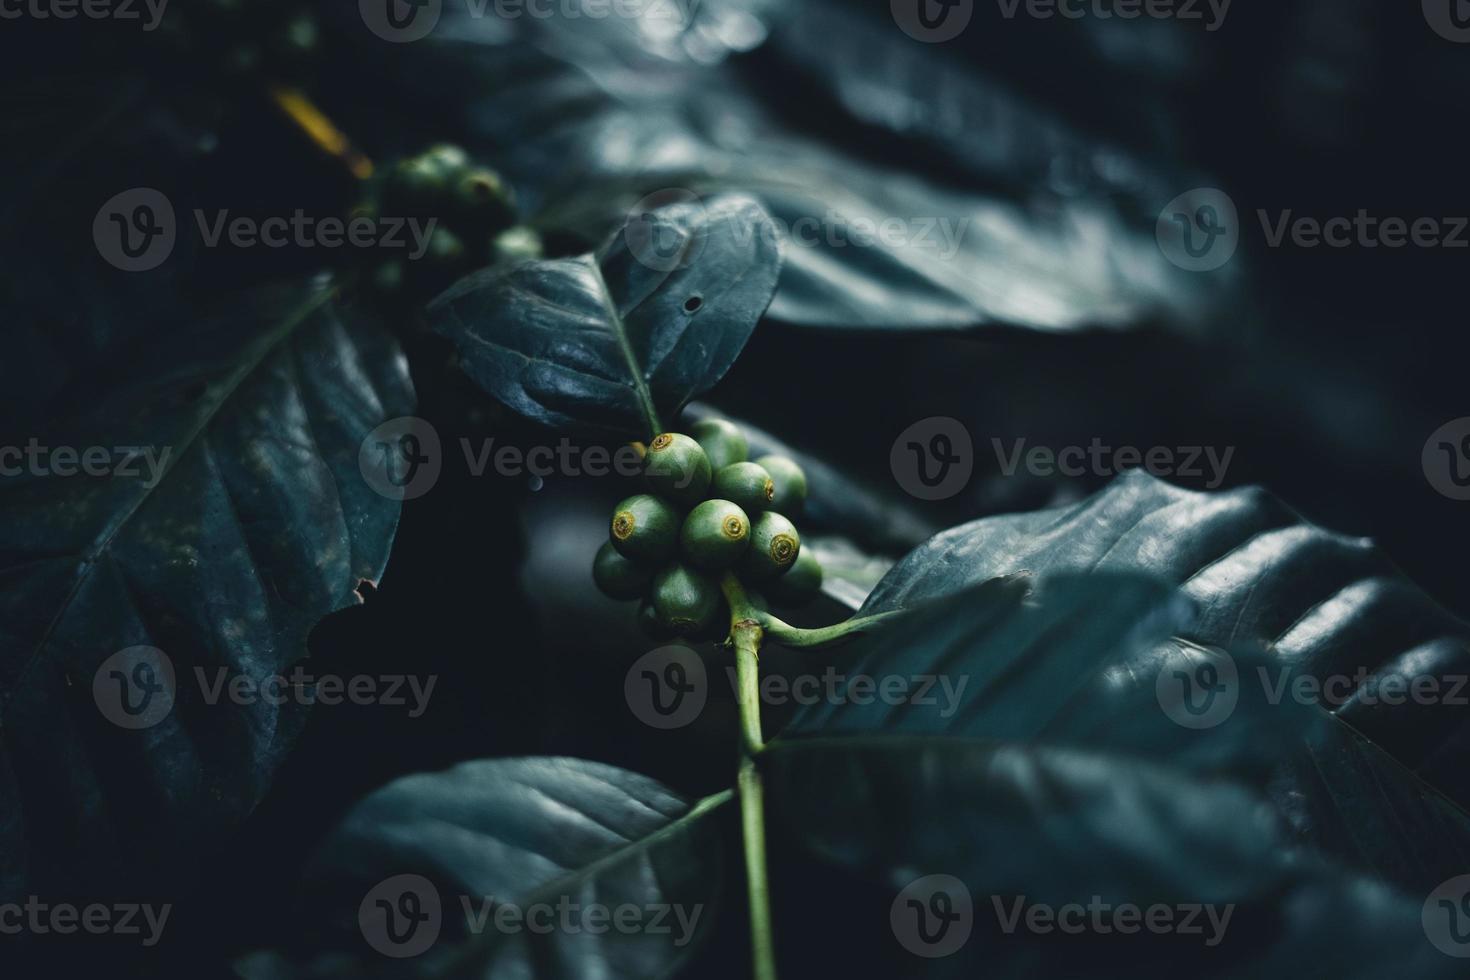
x,y
747,485
483,202
722,441
677,469
645,529
774,545
416,185
684,599
790,482
446,159
801,583
619,577
715,535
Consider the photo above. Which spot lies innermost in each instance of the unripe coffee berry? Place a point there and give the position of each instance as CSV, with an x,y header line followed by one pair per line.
x,y
645,529
774,545
416,186
685,599
677,469
745,484
715,534
617,576
446,159
483,202
722,441
790,481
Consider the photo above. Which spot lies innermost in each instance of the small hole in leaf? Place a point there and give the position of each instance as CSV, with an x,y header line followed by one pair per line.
x,y
693,303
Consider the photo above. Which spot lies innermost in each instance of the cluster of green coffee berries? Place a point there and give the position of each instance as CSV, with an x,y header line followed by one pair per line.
x,y
474,217
707,512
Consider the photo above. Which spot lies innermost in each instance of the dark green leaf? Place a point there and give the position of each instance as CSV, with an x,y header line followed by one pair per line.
x,y
1064,827
518,832
606,343
1325,608
586,128
1076,662
223,554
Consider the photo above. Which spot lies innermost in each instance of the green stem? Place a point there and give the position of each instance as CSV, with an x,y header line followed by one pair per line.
x,y
745,633
791,636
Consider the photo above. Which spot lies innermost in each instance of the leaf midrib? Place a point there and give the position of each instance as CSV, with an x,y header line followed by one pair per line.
x,y
625,346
